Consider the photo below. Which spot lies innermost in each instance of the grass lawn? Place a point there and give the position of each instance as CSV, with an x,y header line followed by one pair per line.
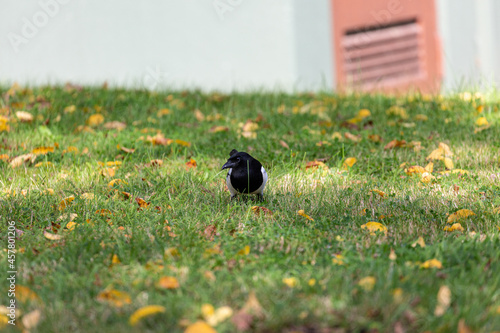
x,y
381,213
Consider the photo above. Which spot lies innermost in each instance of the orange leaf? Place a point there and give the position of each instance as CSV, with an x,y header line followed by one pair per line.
x,y
191,164
42,150
395,144
95,119
141,202
168,282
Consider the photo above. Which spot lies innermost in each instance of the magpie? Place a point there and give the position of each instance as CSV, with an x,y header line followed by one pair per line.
x,y
246,175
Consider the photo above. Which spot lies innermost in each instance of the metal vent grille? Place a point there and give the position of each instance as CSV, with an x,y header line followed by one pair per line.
x,y
383,56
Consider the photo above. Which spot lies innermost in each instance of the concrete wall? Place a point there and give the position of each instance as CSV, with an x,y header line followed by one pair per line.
x,y
216,44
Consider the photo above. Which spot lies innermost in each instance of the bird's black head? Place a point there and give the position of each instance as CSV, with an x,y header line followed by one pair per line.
x,y
237,159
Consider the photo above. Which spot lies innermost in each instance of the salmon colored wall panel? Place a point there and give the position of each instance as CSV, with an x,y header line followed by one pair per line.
x,y
388,45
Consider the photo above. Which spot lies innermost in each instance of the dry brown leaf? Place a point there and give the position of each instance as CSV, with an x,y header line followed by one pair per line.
x,y
210,232
155,163
216,129
352,137
126,150
19,160
199,115
24,116
443,301
395,144
284,144
141,202
118,125
30,320
258,209
51,236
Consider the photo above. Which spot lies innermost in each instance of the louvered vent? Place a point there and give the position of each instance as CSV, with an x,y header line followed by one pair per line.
x,y
383,56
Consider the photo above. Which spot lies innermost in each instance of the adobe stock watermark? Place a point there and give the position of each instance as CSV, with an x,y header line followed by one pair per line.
x,y
154,78
11,272
32,26
224,6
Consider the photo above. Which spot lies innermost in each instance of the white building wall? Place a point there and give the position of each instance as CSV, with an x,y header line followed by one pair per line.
x,y
470,31
216,44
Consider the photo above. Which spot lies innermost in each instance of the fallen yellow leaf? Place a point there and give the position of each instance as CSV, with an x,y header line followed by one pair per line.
x,y
24,294
302,213
95,119
69,109
42,150
116,182
200,327
338,259
114,297
183,143
290,282
66,202
145,311
397,111
367,283
420,241
459,215
382,194
448,163
481,121
349,162
71,225
415,169
363,113
431,263
244,251
215,316
421,117
453,227
373,227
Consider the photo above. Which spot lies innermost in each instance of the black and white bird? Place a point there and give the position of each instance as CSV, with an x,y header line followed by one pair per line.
x,y
246,175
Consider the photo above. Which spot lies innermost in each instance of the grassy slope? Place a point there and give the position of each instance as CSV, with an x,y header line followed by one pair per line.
x,y
69,274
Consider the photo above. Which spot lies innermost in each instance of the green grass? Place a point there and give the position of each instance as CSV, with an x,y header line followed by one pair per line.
x,y
67,275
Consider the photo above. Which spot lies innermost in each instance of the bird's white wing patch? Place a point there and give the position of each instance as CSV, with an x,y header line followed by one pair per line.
x,y
260,190
229,185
